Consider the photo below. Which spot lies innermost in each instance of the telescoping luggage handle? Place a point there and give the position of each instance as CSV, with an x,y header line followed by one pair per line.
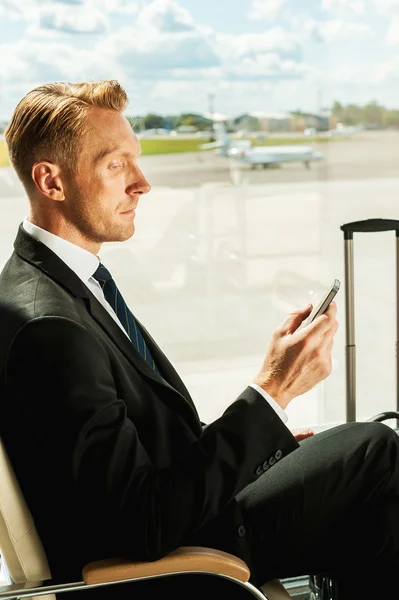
x,y
366,226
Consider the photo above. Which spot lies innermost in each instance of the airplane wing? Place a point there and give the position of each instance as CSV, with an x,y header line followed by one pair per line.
x,y
294,150
265,155
211,145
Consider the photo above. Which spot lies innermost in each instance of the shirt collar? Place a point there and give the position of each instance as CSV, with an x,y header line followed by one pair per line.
x,y
80,261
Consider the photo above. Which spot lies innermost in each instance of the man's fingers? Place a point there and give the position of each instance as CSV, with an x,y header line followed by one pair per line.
x,y
302,434
295,319
324,322
332,309
329,335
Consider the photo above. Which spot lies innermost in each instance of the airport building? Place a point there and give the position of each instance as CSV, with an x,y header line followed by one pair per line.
x,y
262,121
284,121
323,121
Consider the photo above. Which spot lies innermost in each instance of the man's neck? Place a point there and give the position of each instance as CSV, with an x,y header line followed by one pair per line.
x,y
66,232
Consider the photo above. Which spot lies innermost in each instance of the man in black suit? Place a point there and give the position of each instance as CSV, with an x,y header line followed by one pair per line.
x,y
105,440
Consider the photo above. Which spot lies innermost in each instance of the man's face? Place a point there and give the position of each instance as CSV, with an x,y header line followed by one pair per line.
x,y
101,196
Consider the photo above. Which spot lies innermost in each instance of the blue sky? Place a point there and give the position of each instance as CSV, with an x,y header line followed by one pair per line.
x,y
253,55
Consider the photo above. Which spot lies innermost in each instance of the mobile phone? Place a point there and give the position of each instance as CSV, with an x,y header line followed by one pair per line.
x,y
325,302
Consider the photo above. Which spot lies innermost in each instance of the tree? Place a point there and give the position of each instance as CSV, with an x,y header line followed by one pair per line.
x,y
391,119
198,121
152,121
373,114
189,121
170,122
352,115
337,110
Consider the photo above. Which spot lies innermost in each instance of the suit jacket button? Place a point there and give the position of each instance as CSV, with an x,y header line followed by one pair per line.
x,y
278,454
259,470
241,531
272,461
266,465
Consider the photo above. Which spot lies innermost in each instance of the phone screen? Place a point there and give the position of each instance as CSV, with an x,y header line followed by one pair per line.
x,y
325,302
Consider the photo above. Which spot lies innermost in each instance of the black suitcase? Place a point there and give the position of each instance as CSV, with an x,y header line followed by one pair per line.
x,y
367,226
321,587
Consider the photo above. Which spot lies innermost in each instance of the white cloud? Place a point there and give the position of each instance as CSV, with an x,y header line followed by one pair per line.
x,y
16,9
365,73
145,54
232,97
356,7
75,2
163,39
131,53
265,9
392,36
269,66
386,7
149,53
390,9
166,16
273,54
335,30
239,96
70,18
29,62
14,66
167,61
208,74
122,7
275,39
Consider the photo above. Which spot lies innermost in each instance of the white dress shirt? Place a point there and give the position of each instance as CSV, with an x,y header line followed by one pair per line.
x,y
84,264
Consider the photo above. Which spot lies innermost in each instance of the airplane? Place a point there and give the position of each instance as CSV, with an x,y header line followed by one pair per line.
x,y
244,152
344,130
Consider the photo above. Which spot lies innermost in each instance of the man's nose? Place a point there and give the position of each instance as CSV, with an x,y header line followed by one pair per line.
x,y
144,185
140,185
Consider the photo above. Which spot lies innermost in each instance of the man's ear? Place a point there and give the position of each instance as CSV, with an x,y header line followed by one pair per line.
x,y
47,178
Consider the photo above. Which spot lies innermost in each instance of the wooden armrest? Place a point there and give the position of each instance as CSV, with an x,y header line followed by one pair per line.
x,y
185,558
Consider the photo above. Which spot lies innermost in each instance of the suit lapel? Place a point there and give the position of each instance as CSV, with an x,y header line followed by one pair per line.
x,y
39,255
112,329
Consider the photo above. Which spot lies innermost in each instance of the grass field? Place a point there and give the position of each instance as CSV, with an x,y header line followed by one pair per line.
x,y
172,146
166,146
176,145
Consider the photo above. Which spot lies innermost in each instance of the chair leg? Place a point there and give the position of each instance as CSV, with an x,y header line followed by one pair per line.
x,y
322,588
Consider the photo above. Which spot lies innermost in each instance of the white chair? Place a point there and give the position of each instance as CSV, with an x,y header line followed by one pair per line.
x,y
27,565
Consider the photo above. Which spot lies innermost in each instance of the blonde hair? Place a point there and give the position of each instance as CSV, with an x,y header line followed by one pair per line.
x,y
49,121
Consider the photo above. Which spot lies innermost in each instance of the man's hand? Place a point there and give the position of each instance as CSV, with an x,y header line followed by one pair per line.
x,y
297,360
302,434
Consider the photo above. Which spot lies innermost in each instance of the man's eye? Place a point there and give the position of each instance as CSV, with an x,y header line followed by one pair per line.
x,y
116,165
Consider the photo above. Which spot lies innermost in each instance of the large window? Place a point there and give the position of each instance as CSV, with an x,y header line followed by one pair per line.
x,y
297,106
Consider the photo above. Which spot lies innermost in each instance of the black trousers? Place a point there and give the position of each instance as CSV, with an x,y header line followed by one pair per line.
x,y
332,507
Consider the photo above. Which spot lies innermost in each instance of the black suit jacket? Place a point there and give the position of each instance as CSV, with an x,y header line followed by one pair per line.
x,y
111,457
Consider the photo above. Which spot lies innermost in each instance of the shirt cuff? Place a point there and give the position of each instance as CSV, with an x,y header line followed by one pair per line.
x,y
276,407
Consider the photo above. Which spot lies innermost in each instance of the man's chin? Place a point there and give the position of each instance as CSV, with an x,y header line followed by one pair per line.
x,y
120,236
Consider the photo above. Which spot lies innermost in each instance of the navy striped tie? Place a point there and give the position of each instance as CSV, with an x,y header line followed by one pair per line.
x,y
115,299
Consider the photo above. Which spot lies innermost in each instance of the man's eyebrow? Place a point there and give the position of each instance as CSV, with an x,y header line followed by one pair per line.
x,y
105,152
111,150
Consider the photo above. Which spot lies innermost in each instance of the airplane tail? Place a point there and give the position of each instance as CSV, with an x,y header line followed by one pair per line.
x,y
222,139
221,133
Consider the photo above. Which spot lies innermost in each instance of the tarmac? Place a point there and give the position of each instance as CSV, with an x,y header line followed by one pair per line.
x,y
222,253
367,155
